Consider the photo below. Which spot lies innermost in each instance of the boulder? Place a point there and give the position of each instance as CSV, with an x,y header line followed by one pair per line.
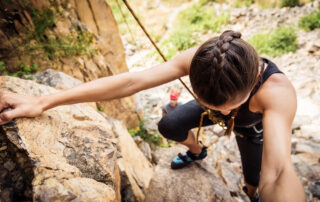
x,y
144,147
93,17
197,182
55,79
58,80
307,147
67,153
136,171
231,178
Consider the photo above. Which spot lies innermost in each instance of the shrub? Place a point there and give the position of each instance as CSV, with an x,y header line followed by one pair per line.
x,y
280,41
310,22
141,131
182,39
289,3
42,21
2,66
217,22
195,19
204,2
41,41
260,42
241,3
21,71
195,16
200,18
283,40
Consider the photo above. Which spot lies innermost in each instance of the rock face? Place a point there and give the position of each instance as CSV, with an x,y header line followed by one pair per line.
x,y
135,175
136,171
70,17
251,20
16,172
197,182
68,153
144,147
57,80
52,78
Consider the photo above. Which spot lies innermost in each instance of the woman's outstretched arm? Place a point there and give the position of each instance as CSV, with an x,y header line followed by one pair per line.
x,y
102,89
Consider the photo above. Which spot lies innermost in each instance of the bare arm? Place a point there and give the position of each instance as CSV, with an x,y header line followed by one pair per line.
x,y
278,179
106,88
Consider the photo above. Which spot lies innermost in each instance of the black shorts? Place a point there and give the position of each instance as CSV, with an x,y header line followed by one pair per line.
x,y
176,125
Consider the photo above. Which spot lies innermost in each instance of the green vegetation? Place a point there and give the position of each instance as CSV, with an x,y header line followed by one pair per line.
x,y
100,109
191,22
153,139
22,69
289,3
125,21
175,1
42,22
76,44
246,3
41,42
241,3
280,41
264,4
200,18
203,2
311,21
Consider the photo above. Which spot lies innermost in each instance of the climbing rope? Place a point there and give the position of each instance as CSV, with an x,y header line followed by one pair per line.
x,y
125,20
229,128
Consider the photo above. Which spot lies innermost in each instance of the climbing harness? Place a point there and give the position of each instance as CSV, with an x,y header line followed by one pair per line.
x,y
207,112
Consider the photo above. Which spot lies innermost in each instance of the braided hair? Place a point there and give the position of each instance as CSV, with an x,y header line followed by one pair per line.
x,y
224,69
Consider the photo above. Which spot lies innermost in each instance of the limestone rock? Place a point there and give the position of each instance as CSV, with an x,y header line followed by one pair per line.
x,y
144,147
252,20
93,16
136,170
231,178
315,189
58,80
67,153
308,147
197,182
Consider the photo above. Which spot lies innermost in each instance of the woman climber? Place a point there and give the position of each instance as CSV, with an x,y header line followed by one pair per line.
x,y
250,94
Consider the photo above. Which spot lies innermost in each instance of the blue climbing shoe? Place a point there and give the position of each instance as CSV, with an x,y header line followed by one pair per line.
x,y
252,199
182,160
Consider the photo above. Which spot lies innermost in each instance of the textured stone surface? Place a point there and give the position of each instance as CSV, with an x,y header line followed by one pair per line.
x,y
197,182
144,147
231,178
94,16
136,170
15,172
72,149
58,80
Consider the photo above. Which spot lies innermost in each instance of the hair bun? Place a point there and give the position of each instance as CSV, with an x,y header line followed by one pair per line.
x,y
229,33
227,39
236,35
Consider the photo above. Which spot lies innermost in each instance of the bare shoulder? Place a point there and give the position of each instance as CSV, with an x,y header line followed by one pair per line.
x,y
277,93
183,60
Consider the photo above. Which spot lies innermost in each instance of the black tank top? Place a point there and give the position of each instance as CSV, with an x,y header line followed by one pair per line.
x,y
245,118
